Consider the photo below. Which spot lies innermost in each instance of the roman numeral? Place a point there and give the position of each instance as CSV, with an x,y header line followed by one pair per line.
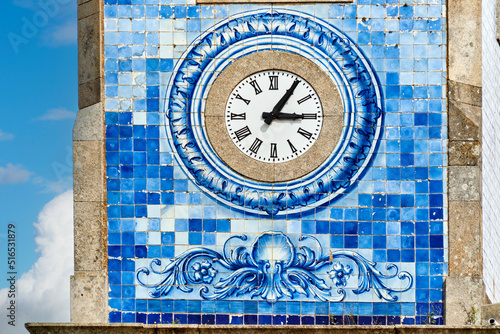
x,y
273,85
256,145
305,133
238,116
274,150
304,99
242,133
238,96
291,146
309,116
256,86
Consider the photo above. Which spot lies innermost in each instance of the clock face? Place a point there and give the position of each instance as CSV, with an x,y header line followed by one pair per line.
x,y
273,116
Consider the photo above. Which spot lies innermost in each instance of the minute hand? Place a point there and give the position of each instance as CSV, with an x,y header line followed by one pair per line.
x,y
277,108
283,115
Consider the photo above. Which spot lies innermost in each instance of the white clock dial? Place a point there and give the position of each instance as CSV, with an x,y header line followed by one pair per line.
x,y
295,118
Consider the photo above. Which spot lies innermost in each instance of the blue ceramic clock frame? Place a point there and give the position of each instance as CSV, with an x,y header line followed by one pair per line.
x,y
280,30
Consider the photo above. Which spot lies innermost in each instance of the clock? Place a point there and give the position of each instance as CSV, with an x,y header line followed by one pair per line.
x,y
273,112
304,131
274,116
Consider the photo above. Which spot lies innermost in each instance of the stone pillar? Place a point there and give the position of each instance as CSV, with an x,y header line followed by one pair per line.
x,y
89,285
464,288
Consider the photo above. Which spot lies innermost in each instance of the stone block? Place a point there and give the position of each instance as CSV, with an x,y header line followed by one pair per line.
x,y
464,228
488,312
464,41
89,124
464,297
90,236
464,153
88,171
89,297
88,8
464,183
464,121
81,2
89,48
464,93
89,93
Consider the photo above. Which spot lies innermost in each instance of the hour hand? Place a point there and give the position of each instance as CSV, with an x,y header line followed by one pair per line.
x,y
282,115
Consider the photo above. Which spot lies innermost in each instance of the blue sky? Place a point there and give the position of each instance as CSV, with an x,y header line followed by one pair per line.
x,y
38,104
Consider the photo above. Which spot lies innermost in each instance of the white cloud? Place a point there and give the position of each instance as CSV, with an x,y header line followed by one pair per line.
x,y
12,174
57,114
51,7
63,34
30,4
61,185
43,293
5,135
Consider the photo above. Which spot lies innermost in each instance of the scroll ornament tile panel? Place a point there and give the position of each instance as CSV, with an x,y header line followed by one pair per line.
x,y
359,239
271,270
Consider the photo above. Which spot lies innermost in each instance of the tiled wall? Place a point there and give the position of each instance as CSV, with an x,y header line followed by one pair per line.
x,y
490,158
392,219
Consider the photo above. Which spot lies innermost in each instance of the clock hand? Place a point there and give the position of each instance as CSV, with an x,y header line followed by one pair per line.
x,y
283,115
281,103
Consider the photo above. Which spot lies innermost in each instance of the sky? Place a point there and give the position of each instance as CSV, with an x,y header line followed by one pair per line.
x,y
38,106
